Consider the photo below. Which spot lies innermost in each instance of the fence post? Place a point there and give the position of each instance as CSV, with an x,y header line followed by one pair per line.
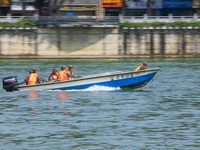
x,y
171,18
9,19
145,17
121,19
195,17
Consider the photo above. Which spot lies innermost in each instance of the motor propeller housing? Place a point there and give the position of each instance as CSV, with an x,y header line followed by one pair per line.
x,y
10,83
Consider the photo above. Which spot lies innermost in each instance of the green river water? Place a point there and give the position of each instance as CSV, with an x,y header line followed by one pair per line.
x,y
165,114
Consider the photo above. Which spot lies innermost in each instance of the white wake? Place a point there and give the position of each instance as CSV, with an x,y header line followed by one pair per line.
x,y
99,88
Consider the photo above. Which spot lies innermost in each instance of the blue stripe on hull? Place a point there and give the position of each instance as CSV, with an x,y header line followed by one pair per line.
x,y
129,82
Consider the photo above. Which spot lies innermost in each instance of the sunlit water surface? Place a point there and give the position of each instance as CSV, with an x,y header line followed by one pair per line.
x,y
165,114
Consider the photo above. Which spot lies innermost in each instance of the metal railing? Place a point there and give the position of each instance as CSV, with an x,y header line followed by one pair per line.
x,y
100,19
167,19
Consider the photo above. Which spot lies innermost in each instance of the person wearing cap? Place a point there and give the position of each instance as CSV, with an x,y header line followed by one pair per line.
x,y
31,71
34,78
62,75
53,76
71,73
26,79
142,67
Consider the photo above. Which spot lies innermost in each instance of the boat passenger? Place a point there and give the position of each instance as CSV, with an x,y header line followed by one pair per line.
x,y
34,78
62,75
71,73
53,76
142,67
31,71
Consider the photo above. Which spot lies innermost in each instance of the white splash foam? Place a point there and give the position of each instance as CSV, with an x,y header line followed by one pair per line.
x,y
99,88
94,88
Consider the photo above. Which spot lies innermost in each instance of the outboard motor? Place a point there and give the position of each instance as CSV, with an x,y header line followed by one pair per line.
x,y
9,83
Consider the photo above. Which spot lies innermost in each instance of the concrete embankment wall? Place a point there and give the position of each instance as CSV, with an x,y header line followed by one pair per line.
x,y
59,41
101,41
162,41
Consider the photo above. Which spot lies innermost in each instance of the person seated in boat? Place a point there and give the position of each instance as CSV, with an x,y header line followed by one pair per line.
x,y
141,67
71,73
53,76
26,79
31,71
34,78
62,75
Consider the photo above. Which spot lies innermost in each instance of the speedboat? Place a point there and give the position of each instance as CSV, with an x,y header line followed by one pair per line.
x,y
130,79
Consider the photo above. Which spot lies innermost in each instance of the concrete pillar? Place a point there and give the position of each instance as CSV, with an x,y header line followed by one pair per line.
x,y
171,18
183,42
162,42
138,39
120,40
58,39
151,42
104,41
36,42
125,34
0,45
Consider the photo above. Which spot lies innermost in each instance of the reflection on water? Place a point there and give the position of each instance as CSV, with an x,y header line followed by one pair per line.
x,y
32,95
62,95
163,115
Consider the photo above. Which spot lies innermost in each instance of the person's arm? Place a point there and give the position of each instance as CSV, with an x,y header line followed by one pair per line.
x,y
50,78
26,79
41,80
142,68
74,75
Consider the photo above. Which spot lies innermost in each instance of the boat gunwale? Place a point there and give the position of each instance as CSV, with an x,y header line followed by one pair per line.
x,y
121,73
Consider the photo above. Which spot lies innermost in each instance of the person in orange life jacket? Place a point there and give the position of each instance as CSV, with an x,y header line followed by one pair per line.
x,y
62,75
71,73
34,78
53,76
142,67
26,79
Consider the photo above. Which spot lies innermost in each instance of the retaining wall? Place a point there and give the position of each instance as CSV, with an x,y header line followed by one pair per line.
x,y
98,41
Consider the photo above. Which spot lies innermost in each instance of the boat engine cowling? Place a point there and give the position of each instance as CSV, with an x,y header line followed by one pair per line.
x,y
9,83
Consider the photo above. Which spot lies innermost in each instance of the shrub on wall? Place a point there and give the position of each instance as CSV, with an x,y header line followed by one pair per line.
x,y
20,23
160,24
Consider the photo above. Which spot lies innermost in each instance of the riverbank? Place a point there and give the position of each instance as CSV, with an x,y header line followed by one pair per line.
x,y
103,42
100,56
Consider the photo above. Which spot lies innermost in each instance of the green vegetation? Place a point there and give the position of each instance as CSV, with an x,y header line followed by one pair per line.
x,y
160,24
20,23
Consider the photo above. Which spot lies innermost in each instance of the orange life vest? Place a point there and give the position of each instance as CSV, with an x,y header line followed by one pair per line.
x,y
139,68
62,75
32,79
55,76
